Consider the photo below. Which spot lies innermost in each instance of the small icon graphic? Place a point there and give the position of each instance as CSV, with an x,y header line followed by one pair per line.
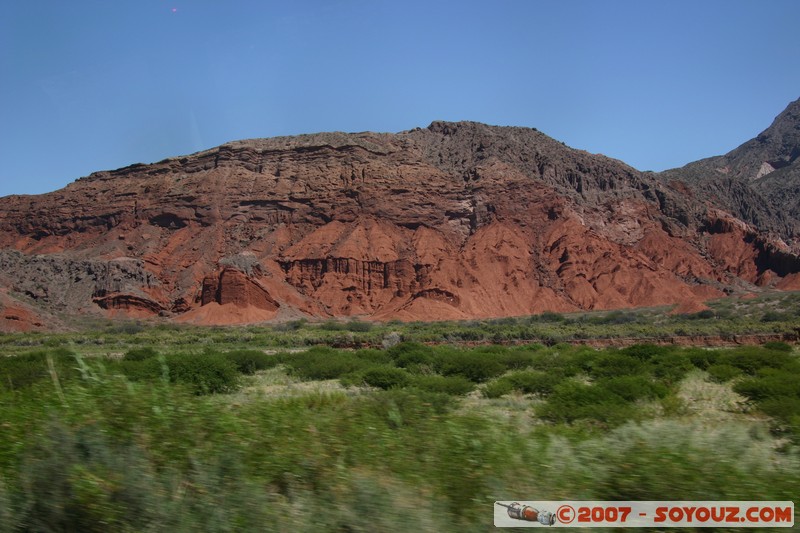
x,y
518,511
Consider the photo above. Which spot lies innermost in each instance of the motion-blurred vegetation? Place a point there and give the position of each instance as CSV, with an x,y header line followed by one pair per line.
x,y
209,436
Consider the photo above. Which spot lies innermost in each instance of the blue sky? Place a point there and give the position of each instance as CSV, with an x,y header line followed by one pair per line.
x,y
90,85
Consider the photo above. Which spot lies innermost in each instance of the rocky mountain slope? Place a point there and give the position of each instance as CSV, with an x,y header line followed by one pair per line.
x,y
457,220
758,182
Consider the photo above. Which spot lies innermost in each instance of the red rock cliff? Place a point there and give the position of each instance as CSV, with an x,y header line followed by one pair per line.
x,y
458,220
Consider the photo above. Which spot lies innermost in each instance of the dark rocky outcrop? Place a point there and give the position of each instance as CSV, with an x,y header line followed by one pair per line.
x,y
758,182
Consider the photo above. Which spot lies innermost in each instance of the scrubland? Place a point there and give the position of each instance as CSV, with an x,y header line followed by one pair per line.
x,y
153,428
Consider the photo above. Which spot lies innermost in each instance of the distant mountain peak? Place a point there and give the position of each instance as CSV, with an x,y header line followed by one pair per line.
x,y
758,181
782,138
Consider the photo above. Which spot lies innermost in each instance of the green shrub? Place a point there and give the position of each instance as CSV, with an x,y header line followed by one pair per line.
x,y
324,363
452,385
671,367
140,354
793,429
632,388
783,409
723,314
250,361
702,315
386,377
778,346
573,401
376,357
144,370
534,382
204,373
292,325
723,373
21,371
772,387
75,481
752,358
615,364
473,366
497,388
775,316
568,364
125,328
405,407
702,358
358,326
408,354
646,352
549,316
515,359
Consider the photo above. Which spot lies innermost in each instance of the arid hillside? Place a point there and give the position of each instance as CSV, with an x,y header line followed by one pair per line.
x,y
457,220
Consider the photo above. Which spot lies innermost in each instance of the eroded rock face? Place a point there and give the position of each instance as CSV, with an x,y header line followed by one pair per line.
x,y
232,286
458,220
16,315
63,283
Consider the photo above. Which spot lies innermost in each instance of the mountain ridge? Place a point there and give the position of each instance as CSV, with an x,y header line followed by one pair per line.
x,y
457,220
758,181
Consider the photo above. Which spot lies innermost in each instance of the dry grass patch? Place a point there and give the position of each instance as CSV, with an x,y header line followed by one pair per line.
x,y
275,383
513,407
709,400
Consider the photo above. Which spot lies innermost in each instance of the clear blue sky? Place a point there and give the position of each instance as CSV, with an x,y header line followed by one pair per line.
x,y
90,85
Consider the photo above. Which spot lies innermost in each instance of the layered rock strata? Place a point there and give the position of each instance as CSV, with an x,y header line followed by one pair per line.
x,y
458,220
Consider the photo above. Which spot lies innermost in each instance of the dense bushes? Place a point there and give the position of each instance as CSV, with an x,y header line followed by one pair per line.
x,y
324,363
473,366
609,387
778,346
533,382
632,388
22,371
412,355
120,447
646,352
497,388
353,325
607,365
573,401
749,359
140,354
772,384
250,361
671,367
452,385
769,386
569,383
386,377
618,379
205,373
723,373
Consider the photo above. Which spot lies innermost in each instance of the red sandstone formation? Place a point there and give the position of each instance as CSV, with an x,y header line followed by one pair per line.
x,y
19,316
459,220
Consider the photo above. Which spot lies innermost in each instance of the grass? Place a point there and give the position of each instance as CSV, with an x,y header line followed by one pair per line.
x,y
768,314
234,437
